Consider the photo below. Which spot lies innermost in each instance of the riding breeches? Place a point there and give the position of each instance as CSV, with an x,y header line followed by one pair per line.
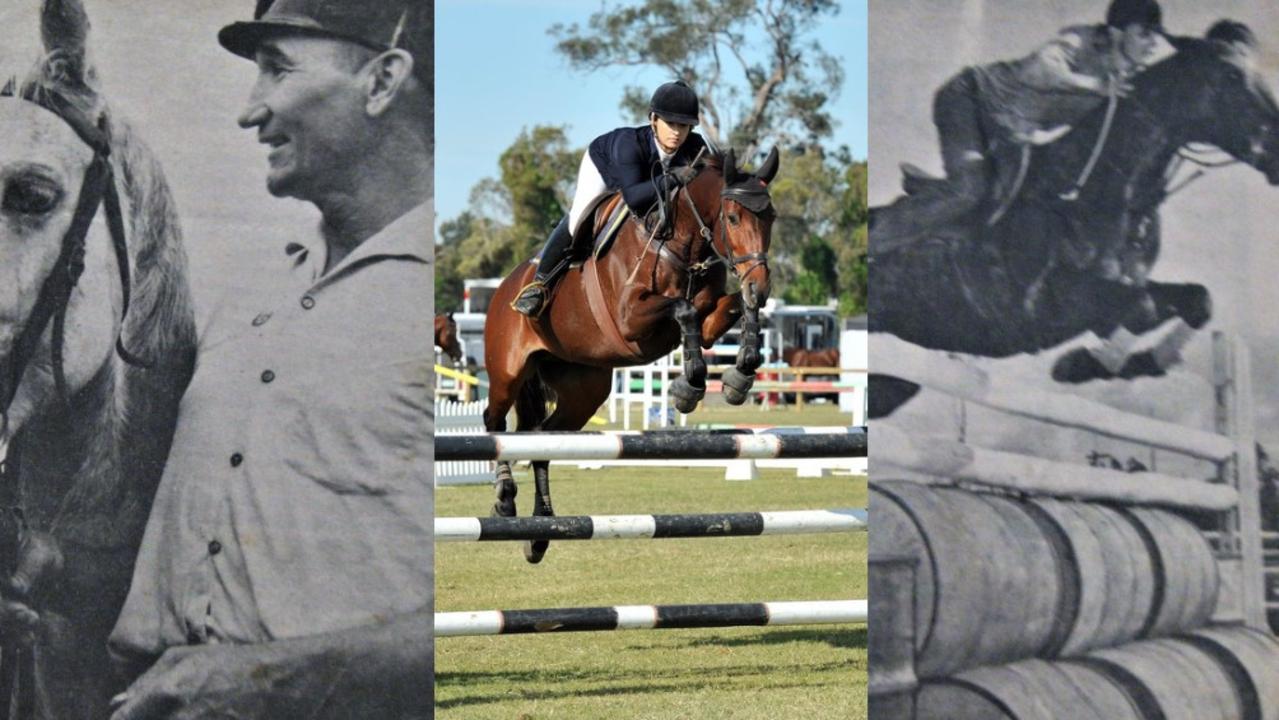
x,y
590,189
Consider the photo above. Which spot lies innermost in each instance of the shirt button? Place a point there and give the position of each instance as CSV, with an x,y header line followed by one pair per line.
x,y
261,319
215,547
267,376
236,459
308,302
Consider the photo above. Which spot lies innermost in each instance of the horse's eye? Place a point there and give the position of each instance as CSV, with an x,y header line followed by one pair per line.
x,y
30,196
733,219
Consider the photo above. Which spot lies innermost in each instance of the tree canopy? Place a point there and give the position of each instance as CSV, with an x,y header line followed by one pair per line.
x,y
761,80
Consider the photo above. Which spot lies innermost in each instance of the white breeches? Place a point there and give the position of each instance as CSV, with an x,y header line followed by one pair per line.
x,y
591,188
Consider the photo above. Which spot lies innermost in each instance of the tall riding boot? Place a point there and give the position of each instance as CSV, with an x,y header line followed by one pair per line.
x,y
554,260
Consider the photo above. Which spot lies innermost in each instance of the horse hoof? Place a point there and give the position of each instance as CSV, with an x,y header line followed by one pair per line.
x,y
737,386
686,396
1143,364
1079,366
534,550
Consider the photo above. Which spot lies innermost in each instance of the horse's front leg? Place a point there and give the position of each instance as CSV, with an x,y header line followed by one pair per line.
x,y
689,388
739,378
504,488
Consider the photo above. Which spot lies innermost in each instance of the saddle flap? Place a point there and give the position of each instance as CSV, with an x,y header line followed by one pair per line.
x,y
610,215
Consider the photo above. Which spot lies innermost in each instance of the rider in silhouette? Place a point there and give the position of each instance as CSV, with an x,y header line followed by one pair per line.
x,y
1029,101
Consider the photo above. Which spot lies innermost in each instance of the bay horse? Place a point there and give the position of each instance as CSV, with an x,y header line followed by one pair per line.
x,y
97,344
1043,270
799,357
630,306
446,337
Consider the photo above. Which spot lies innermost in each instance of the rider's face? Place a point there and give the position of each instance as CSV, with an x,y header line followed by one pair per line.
x,y
1138,42
670,136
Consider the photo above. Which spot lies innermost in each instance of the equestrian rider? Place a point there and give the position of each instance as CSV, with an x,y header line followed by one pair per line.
x,y
1029,101
644,163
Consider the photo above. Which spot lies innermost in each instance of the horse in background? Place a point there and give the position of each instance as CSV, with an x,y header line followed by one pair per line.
x,y
630,306
97,344
446,337
799,357
1040,270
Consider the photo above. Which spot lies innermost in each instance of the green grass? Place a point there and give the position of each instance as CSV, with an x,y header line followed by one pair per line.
x,y
739,673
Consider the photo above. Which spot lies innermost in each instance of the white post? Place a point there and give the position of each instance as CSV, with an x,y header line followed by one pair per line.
x,y
1236,418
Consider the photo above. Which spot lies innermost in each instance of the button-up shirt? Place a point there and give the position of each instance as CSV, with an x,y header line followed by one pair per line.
x,y
297,498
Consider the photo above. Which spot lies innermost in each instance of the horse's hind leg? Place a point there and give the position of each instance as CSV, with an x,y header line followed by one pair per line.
x,y
689,388
580,390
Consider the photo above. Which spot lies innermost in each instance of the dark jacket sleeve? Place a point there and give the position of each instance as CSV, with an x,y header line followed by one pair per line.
x,y
635,172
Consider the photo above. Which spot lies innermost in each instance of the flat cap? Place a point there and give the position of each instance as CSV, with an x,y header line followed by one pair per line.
x,y
377,24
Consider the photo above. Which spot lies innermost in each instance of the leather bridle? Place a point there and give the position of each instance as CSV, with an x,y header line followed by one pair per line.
x,y
754,200
98,189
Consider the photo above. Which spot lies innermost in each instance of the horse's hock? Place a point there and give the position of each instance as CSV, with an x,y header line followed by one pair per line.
x,y
1092,593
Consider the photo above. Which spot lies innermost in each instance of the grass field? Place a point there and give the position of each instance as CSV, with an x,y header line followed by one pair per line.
x,y
740,673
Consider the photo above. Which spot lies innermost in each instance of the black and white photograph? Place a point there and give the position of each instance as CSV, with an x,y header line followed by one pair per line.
x,y
1074,389
216,245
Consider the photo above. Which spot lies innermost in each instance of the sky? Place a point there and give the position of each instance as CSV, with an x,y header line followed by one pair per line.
x,y
1220,231
497,73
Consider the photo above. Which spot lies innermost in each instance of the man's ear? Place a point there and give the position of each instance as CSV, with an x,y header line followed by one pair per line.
x,y
388,74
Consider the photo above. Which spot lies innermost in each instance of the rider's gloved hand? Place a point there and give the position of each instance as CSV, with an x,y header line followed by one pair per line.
x,y
684,174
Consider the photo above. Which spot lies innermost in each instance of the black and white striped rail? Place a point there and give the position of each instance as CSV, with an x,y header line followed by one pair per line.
x,y
609,527
649,617
654,445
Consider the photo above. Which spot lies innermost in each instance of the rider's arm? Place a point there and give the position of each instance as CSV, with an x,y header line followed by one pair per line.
x,y
1055,65
640,184
381,670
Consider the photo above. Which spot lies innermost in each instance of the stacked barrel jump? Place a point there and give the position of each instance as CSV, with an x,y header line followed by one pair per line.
x,y
1028,606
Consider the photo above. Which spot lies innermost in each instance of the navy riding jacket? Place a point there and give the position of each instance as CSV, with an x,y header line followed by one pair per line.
x,y
627,160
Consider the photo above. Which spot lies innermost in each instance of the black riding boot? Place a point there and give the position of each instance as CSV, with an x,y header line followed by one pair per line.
x,y
555,258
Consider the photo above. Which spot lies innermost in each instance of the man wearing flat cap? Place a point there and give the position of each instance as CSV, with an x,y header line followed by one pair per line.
x,y
286,570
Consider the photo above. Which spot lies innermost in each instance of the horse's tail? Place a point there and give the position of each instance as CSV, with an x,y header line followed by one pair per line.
x,y
530,404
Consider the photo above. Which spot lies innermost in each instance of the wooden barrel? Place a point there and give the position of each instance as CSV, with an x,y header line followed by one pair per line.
x,y
1026,690
1251,659
1186,572
1172,680
988,582
1131,573
1001,580
1109,581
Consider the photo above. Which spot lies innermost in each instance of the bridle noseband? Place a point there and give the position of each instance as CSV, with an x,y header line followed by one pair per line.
x,y
97,190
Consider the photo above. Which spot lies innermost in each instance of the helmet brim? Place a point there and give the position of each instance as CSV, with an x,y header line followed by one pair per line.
x,y
676,118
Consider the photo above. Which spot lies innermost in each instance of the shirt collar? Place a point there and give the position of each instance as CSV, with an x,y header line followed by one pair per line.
x,y
407,237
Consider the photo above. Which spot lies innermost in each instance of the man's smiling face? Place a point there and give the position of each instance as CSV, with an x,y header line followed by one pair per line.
x,y
308,106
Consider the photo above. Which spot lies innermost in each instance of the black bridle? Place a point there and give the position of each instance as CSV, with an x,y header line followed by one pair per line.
x,y
754,199
98,189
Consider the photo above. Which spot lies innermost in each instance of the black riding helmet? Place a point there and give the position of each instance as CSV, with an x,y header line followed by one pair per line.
x,y
675,102
1145,13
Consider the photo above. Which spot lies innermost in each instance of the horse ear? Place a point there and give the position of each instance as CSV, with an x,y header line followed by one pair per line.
x,y
730,166
64,28
768,170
